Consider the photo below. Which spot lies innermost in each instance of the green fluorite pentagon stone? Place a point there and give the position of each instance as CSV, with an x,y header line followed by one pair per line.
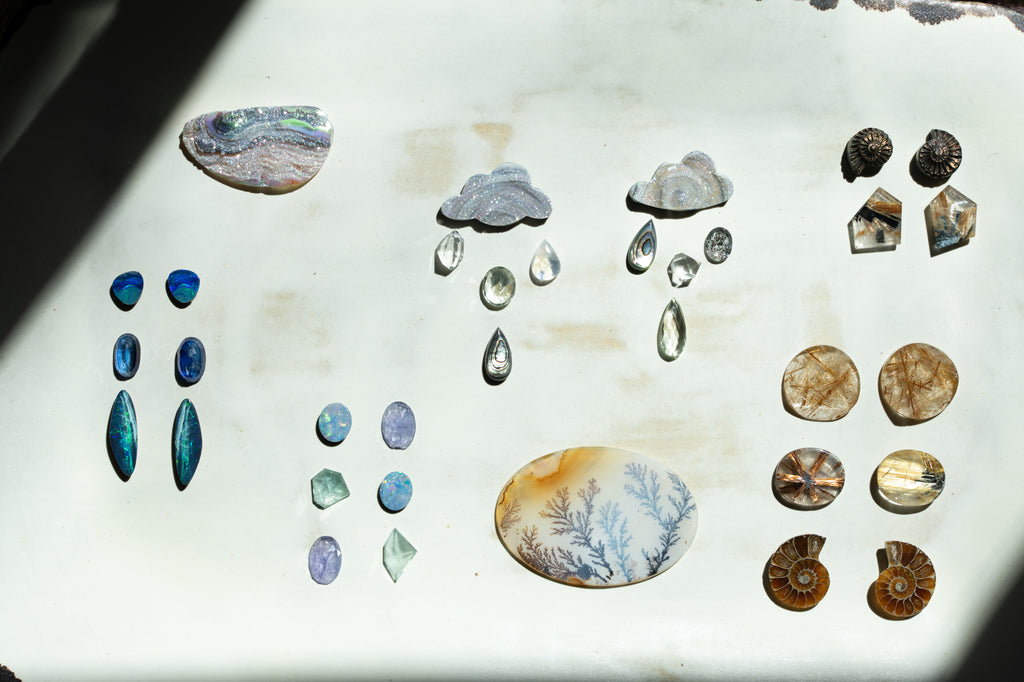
x,y
328,488
123,434
187,443
398,552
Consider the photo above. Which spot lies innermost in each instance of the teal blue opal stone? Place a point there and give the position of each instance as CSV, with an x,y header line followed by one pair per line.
x,y
183,285
123,434
190,361
127,355
395,491
127,288
187,442
334,423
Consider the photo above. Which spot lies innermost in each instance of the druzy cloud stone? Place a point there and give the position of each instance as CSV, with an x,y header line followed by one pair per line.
x,y
398,425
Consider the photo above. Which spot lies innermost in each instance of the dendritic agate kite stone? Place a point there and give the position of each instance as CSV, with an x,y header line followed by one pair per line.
x,y
269,149
596,517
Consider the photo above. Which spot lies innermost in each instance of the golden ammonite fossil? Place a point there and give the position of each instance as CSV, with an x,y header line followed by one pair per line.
x,y
906,586
939,156
868,150
796,578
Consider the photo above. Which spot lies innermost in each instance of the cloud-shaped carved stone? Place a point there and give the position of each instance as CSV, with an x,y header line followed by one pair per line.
x,y
503,197
690,185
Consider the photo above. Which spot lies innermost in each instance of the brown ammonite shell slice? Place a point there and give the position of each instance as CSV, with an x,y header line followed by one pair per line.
x,y
821,384
906,586
796,579
917,382
809,478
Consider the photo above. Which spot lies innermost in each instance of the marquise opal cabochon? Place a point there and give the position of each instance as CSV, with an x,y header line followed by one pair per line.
x,y
596,517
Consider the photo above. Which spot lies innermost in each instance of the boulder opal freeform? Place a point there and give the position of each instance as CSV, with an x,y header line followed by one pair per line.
x,y
268,149
596,517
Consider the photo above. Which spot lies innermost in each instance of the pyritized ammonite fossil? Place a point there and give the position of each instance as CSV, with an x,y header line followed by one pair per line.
x,y
797,579
939,156
906,586
868,150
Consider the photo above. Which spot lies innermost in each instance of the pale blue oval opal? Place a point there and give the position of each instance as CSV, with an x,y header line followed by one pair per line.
x,y
127,355
187,443
324,560
395,491
127,288
190,361
334,423
123,434
398,425
183,285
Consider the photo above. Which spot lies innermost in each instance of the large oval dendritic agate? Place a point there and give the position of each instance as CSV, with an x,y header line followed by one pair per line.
x,y
268,149
596,517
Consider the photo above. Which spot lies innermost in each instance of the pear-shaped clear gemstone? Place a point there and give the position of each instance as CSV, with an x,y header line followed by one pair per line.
x,y
187,443
497,358
545,265
497,288
448,253
671,332
681,270
641,251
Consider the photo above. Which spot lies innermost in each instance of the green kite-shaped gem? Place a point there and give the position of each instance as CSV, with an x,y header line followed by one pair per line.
x,y
328,488
398,552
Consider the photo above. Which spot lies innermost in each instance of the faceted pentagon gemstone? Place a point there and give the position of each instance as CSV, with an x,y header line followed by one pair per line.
x,y
398,425
183,285
545,266
821,384
127,355
876,227
334,423
328,488
681,270
497,358
917,382
950,218
809,478
324,560
497,288
642,249
398,552
127,288
123,434
395,491
910,479
718,245
448,253
267,149
596,517
671,332
190,361
187,443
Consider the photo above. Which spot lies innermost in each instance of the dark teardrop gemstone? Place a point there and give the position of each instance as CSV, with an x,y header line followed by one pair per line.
x,y
187,442
127,356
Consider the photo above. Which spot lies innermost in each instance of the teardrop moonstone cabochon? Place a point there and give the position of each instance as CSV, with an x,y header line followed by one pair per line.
x,y
123,434
596,517
187,444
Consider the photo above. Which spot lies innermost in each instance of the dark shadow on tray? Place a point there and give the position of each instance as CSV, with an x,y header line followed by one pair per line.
x,y
660,213
478,226
888,506
920,178
847,169
86,140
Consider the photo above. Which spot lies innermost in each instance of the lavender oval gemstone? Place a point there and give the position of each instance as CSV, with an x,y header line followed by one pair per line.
x,y
398,425
324,560
190,361
127,355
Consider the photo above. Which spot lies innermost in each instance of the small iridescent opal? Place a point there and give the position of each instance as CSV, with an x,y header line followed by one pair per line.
x,y
398,425
268,149
183,285
127,355
398,552
190,361
395,491
324,560
127,288
123,434
187,443
596,517
334,423
503,197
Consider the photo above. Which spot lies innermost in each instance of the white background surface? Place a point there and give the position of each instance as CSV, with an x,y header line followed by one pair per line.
x,y
328,294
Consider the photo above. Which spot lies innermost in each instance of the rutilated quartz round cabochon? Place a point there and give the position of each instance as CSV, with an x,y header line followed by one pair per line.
x,y
809,478
910,479
917,382
821,384
596,517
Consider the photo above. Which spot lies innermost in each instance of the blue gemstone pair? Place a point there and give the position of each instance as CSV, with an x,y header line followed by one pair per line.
x,y
189,364
123,439
182,287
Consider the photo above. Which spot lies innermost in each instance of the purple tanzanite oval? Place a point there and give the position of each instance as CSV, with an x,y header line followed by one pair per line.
x,y
127,355
398,425
190,361
325,560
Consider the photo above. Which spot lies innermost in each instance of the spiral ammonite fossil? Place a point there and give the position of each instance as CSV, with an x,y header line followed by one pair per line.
x,y
868,150
796,578
939,156
905,587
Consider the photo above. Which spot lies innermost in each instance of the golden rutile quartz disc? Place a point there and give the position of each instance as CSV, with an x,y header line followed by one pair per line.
x,y
821,384
809,478
910,478
917,382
